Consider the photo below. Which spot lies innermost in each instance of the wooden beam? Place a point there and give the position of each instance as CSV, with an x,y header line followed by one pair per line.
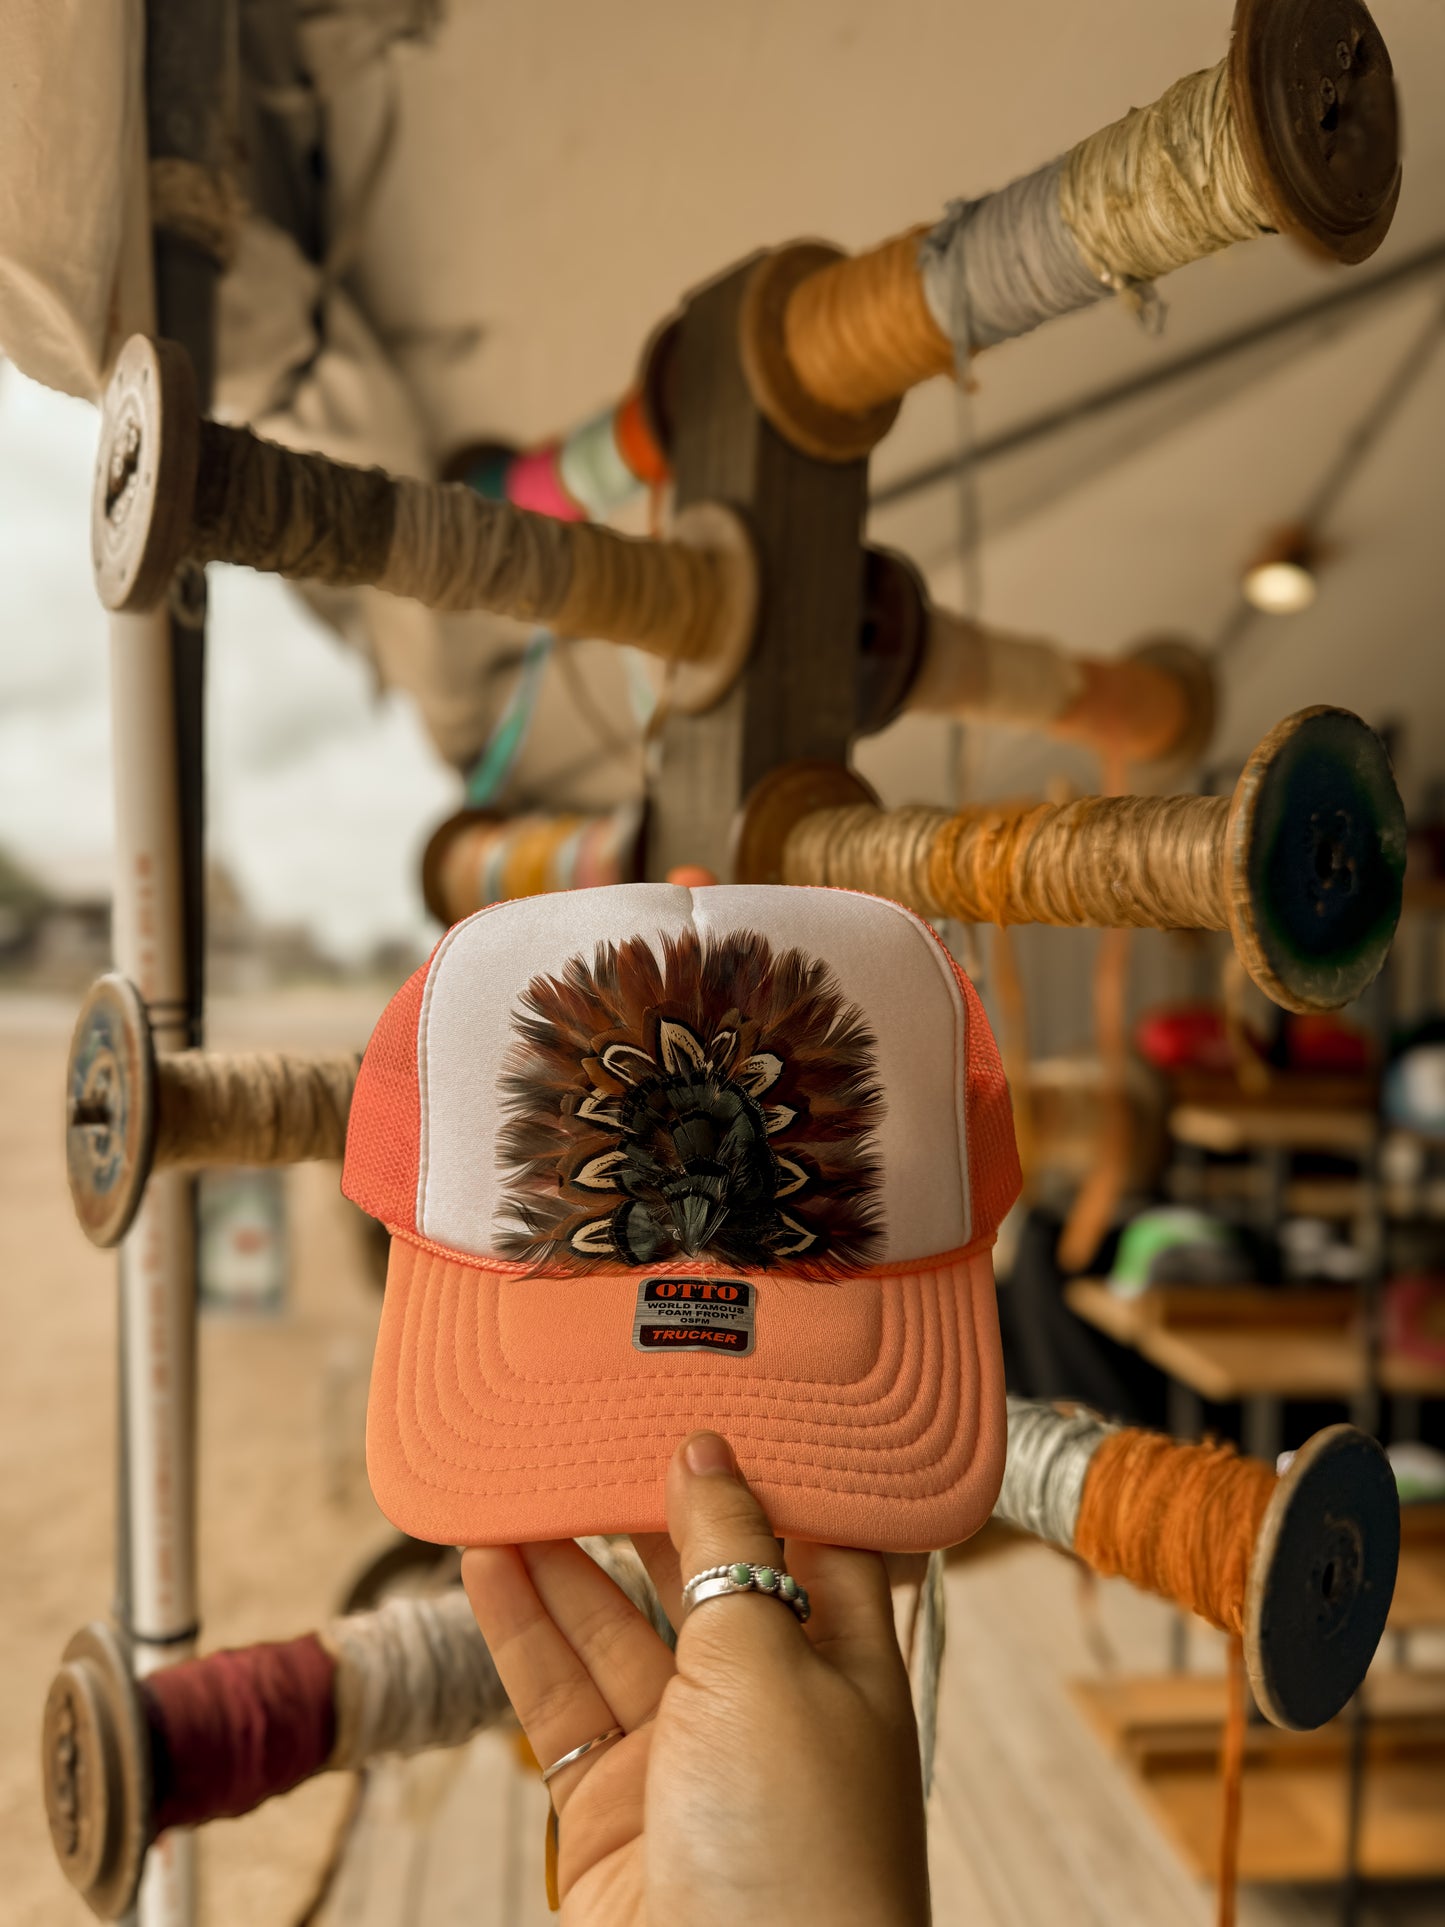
x,y
798,695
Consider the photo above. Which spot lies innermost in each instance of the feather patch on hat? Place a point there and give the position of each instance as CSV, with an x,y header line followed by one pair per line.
x,y
718,1101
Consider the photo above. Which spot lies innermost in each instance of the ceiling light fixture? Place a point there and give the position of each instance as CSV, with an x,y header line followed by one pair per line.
x,y
1281,579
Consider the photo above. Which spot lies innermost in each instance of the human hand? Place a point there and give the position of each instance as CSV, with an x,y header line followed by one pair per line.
x,y
768,1771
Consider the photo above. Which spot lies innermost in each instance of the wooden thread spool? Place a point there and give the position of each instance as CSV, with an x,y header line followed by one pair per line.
x,y
170,486
1303,865
1155,705
1321,1570
130,1111
478,857
124,1759
830,343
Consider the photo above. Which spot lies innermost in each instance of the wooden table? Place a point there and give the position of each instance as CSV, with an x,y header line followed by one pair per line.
x,y
1419,1601
1258,1344
1167,1730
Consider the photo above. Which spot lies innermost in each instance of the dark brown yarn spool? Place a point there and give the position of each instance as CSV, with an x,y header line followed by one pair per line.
x,y
234,1729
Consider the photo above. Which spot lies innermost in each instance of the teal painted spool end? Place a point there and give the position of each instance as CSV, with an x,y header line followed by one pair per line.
x,y
1316,851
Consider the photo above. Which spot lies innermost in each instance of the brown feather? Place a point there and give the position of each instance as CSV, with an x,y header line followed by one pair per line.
x,y
781,1014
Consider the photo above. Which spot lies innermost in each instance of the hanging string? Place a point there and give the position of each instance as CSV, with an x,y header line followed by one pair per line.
x,y
1098,1197
927,1640
504,744
1231,1784
970,562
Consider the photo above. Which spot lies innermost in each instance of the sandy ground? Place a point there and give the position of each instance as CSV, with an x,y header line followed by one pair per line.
x,y
285,1514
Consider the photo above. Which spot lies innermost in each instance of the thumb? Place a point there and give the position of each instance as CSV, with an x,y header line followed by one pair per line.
x,y
714,1520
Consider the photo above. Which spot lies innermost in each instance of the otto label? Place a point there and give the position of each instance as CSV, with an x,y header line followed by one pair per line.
x,y
694,1315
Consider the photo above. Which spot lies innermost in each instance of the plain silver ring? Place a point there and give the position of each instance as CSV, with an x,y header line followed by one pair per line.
x,y
580,1752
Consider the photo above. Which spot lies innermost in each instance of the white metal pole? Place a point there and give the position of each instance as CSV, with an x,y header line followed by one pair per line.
x,y
156,1490
158,1259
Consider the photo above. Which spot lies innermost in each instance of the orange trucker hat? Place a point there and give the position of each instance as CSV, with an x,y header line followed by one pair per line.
x,y
657,1158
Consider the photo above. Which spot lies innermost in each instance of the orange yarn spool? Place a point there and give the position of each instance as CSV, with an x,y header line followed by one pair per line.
x,y
1178,1520
636,442
1183,1521
859,333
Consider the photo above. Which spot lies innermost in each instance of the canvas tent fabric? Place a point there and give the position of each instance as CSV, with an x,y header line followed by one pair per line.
x,y
297,356
70,125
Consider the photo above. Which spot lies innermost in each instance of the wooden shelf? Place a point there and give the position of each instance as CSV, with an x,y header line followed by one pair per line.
x,y
1289,1112
1167,1731
1282,1091
1268,1350
1240,1127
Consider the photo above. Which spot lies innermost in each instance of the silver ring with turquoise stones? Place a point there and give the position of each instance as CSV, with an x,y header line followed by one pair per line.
x,y
716,1582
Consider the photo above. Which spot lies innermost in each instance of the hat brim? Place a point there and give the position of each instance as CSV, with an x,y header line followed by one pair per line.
x,y
507,1407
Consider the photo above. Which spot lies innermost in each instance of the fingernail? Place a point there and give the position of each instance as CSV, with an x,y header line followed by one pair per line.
x,y
706,1453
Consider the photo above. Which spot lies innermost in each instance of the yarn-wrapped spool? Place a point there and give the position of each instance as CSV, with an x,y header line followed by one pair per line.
x,y
480,857
1302,1566
1155,705
1303,865
1295,131
170,487
131,1110
593,471
125,1759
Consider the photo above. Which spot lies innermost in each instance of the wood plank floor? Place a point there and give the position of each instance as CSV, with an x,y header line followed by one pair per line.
x,y
1031,1821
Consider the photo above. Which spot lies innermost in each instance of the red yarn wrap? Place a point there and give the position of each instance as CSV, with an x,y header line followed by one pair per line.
x,y
233,1729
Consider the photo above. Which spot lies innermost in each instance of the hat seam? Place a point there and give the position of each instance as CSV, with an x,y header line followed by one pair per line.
x,y
705,1266
583,1393
423,1068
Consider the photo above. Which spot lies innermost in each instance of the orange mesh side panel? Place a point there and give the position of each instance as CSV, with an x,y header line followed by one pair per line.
x,y
993,1152
383,1138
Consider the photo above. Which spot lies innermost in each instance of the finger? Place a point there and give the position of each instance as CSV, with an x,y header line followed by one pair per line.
x,y
714,1520
848,1596
625,1659
852,1621
659,1556
551,1691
